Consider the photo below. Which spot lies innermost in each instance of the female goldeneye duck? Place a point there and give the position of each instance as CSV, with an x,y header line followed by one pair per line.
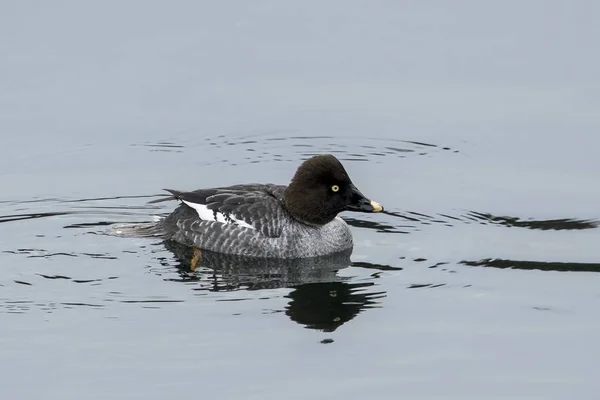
x,y
274,221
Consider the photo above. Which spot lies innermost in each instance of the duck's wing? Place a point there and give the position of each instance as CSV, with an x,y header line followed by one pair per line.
x,y
255,206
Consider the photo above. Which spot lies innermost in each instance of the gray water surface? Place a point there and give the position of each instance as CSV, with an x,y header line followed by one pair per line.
x,y
474,124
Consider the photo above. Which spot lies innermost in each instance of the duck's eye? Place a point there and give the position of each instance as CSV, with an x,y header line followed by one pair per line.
x,y
335,188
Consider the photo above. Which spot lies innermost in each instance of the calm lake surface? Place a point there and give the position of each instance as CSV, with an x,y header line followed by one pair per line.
x,y
474,124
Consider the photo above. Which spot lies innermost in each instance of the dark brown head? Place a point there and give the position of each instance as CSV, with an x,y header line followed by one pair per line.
x,y
321,189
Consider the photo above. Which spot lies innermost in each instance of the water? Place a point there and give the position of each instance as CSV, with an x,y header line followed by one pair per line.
x,y
474,124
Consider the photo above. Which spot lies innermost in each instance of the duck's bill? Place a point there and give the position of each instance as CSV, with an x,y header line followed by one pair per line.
x,y
361,204
376,206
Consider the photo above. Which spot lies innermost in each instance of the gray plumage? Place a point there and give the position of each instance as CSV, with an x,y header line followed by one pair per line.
x,y
276,233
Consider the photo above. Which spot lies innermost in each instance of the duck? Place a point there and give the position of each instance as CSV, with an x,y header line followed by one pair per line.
x,y
299,220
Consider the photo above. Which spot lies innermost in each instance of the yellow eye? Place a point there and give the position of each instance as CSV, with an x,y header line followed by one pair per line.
x,y
335,188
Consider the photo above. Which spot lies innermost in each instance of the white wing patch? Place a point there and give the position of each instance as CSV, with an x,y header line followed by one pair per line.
x,y
209,215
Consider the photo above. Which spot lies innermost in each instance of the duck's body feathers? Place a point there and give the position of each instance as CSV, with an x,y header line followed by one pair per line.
x,y
253,206
250,220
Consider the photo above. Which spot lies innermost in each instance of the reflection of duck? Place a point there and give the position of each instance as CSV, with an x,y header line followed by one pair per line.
x,y
320,300
231,272
328,305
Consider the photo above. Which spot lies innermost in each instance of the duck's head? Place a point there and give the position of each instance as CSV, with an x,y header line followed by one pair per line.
x,y
321,189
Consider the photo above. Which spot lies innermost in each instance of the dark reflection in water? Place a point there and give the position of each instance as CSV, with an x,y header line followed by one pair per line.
x,y
534,265
231,272
379,267
327,306
320,299
544,225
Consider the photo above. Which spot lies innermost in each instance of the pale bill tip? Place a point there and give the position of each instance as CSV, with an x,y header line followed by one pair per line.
x,y
376,206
